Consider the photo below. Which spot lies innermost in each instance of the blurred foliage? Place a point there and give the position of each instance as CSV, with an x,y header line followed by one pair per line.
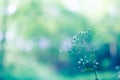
x,y
36,30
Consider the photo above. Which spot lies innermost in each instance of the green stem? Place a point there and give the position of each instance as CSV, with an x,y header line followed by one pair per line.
x,y
95,73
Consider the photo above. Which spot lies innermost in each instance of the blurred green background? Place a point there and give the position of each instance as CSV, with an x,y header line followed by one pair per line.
x,y
33,33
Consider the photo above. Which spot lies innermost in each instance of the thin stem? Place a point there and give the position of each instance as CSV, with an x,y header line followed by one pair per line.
x,y
95,73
